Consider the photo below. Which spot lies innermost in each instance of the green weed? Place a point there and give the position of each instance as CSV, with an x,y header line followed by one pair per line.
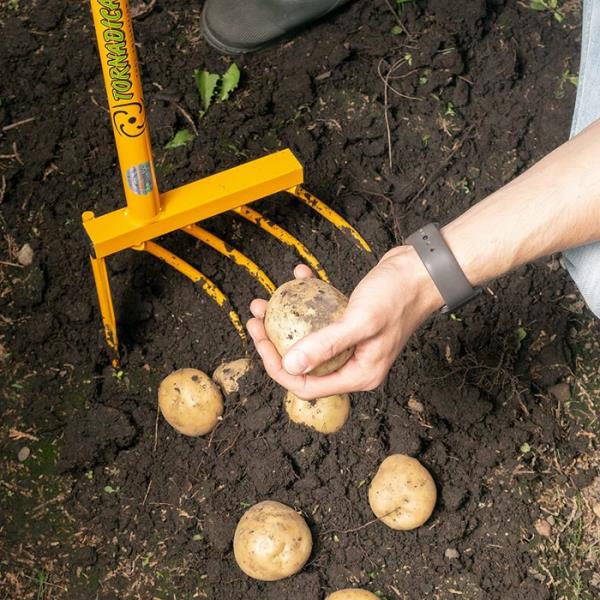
x,y
181,138
520,335
41,578
551,6
211,85
565,79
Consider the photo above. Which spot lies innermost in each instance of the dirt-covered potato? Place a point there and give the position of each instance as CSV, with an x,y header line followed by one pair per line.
x,y
299,307
272,541
190,401
402,493
228,374
352,594
325,415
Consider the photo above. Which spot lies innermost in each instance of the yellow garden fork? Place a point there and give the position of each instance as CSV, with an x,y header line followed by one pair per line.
x,y
150,214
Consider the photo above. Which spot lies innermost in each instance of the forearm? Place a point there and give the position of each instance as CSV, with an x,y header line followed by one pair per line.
x,y
553,206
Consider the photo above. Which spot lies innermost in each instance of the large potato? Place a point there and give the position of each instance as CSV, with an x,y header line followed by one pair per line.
x,y
228,374
325,415
272,541
402,493
190,401
352,594
299,307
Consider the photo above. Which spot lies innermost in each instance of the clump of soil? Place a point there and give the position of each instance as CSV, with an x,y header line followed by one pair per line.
x,y
481,97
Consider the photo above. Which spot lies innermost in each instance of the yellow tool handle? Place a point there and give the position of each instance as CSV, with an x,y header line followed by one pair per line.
x,y
114,34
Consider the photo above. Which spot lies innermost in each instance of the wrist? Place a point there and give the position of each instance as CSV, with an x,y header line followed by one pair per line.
x,y
417,286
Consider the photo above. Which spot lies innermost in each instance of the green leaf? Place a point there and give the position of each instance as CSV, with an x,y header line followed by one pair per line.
x,y
397,30
229,82
181,138
538,5
207,85
525,448
110,490
520,335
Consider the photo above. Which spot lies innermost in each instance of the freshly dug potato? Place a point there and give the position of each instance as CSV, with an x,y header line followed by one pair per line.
x,y
300,307
352,594
272,541
228,374
190,401
325,415
402,493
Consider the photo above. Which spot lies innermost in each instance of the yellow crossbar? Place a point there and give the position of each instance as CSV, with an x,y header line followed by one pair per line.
x,y
196,201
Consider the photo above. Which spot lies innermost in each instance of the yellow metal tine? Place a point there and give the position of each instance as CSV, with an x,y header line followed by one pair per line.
x,y
197,277
233,254
107,310
328,213
283,236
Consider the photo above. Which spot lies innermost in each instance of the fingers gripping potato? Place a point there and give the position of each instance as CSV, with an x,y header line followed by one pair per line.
x,y
300,307
325,415
190,401
352,594
402,493
272,541
228,374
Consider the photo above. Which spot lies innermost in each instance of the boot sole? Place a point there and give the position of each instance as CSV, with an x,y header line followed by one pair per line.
x,y
235,51
224,48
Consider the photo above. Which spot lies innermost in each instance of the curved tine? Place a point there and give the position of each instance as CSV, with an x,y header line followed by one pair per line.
x,y
328,213
283,236
197,277
233,254
107,310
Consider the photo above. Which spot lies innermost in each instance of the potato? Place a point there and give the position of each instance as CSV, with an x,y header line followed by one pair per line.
x,y
325,415
352,594
402,493
272,541
300,307
190,401
228,374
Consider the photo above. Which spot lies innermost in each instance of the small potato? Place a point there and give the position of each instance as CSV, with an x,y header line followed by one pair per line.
x,y
299,307
402,493
190,401
228,374
272,541
352,594
325,415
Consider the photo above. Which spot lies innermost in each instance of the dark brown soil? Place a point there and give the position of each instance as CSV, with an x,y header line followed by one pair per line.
x,y
147,513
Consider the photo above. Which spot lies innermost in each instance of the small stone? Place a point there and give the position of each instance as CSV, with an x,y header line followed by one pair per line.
x,y
23,454
561,392
25,255
543,528
414,405
451,553
596,509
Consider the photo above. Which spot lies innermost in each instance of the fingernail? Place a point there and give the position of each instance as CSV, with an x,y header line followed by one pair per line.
x,y
295,362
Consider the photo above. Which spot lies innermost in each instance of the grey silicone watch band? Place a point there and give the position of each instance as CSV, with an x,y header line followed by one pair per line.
x,y
442,266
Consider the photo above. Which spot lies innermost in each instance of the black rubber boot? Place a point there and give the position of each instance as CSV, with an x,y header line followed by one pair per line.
x,y
239,26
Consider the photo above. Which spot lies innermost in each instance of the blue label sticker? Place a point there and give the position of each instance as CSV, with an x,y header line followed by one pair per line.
x,y
139,179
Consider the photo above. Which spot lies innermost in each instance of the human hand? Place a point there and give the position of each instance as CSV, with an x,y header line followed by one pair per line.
x,y
386,307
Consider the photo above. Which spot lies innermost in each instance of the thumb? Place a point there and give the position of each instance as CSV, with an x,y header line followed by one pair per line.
x,y
320,346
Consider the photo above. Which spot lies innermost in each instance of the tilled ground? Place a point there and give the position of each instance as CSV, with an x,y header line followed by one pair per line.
x,y
112,503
